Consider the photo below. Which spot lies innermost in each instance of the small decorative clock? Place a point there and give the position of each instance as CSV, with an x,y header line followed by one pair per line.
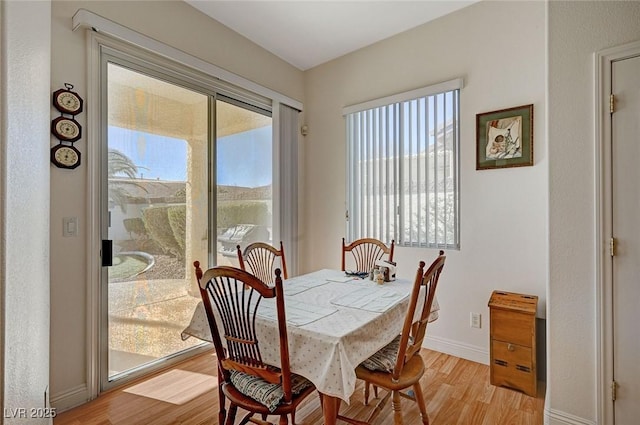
x,y
64,156
66,129
67,101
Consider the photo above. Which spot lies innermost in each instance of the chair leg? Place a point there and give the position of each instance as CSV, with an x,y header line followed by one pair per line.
x,y
222,413
283,420
249,418
231,417
397,408
349,420
417,389
378,407
366,393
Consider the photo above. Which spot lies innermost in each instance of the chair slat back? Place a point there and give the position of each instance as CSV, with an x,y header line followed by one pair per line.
x,y
415,326
231,298
366,252
260,258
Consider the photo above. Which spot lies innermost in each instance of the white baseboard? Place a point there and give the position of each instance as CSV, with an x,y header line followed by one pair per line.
x,y
70,398
458,349
556,417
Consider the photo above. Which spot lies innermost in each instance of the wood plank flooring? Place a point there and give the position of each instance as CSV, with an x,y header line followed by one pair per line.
x,y
456,391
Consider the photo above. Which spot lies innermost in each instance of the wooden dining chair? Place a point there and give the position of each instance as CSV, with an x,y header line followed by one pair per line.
x,y
259,258
231,297
398,366
366,252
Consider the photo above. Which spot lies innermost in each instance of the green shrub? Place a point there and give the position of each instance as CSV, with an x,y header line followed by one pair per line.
x,y
243,212
181,194
135,225
166,224
156,220
178,221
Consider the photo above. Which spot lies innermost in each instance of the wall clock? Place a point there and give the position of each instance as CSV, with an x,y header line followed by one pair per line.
x,y
66,129
64,156
67,101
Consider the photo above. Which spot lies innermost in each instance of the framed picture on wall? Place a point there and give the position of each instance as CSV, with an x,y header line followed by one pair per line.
x,y
504,138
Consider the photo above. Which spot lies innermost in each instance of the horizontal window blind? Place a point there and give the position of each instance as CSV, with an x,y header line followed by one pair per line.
x,y
403,171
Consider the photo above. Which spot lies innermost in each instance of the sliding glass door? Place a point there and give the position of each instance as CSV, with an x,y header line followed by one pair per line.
x,y
156,211
244,195
168,142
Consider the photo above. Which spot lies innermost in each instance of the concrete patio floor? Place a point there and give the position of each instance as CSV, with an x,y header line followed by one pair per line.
x,y
146,318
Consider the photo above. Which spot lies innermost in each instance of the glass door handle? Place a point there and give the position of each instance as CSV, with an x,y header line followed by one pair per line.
x,y
107,253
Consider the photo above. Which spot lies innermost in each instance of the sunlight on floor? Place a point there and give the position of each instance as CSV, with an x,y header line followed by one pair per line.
x,y
175,386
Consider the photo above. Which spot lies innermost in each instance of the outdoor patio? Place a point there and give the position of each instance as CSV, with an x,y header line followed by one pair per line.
x,y
147,315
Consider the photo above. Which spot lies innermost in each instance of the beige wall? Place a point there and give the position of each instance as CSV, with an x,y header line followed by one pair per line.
x,y
178,25
24,208
527,229
499,50
576,31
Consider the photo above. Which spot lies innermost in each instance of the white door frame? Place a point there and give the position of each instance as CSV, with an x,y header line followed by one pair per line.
x,y
198,71
604,232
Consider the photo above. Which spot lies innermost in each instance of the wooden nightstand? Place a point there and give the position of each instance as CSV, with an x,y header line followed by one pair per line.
x,y
513,341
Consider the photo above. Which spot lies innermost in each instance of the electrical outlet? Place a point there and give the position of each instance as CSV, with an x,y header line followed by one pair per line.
x,y
476,320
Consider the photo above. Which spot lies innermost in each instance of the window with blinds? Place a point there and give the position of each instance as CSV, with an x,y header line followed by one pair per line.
x,y
402,168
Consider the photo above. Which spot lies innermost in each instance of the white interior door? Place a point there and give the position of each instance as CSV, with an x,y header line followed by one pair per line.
x,y
625,222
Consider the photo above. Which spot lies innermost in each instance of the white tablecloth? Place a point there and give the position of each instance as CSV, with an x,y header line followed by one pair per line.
x,y
334,323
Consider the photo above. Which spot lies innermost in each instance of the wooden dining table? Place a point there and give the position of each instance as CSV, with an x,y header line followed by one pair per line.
x,y
334,322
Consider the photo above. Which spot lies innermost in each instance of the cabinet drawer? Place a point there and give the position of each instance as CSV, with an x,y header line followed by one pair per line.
x,y
514,355
513,366
513,327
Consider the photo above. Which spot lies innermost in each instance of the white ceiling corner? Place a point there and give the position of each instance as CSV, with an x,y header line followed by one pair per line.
x,y
309,33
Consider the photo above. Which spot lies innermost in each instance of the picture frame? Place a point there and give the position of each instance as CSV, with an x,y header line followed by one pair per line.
x,y
504,138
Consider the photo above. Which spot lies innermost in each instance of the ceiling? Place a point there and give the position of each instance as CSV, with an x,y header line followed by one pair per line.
x,y
309,33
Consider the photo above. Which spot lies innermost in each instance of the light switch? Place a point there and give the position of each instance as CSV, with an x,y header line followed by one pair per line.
x,y
70,226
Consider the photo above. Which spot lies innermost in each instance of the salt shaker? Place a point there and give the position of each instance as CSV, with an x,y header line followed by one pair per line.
x,y
378,277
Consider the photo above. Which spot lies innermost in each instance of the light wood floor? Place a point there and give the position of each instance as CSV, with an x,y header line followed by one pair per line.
x,y
457,392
